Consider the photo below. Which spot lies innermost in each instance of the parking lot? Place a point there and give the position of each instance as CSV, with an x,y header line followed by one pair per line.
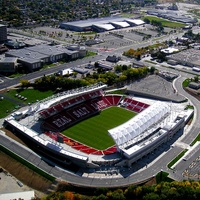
x,y
130,36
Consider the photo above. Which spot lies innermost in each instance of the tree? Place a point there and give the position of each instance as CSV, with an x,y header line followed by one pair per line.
x,y
146,20
151,196
196,78
24,83
152,70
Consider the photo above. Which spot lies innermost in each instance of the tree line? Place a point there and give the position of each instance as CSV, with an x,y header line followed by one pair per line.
x,y
119,77
174,190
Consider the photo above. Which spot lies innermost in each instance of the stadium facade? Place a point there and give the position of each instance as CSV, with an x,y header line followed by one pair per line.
x,y
41,123
101,24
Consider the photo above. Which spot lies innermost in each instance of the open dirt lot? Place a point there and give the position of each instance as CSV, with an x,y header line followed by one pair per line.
x,y
15,172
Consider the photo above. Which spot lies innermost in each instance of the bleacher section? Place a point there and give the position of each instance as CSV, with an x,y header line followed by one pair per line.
x,y
134,105
78,146
53,110
68,117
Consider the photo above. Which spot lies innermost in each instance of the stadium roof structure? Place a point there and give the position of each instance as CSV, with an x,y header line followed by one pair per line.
x,y
138,124
46,103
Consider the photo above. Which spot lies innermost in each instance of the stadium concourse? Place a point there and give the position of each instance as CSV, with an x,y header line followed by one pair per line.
x,y
41,125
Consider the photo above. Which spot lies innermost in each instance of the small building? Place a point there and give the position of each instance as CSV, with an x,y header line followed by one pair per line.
x,y
25,195
65,72
137,64
169,50
113,59
14,44
172,62
194,85
8,65
80,70
105,66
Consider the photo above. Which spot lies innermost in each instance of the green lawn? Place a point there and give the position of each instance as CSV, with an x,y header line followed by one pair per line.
x,y
94,131
31,95
165,22
11,102
6,107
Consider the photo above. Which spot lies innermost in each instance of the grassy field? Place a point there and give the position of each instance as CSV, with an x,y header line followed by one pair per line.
x,y
165,23
6,107
31,95
11,102
94,131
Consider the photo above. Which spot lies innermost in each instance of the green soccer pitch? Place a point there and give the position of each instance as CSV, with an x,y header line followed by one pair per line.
x,y
93,131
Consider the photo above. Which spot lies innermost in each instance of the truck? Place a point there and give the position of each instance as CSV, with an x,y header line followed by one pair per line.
x,y
196,69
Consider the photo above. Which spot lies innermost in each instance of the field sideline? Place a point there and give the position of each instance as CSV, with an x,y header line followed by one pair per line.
x,y
93,131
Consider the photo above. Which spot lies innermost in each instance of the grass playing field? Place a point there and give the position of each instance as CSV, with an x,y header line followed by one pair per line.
x,y
11,102
166,23
94,131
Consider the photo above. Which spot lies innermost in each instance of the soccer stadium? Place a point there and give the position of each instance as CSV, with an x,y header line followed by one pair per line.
x,y
87,128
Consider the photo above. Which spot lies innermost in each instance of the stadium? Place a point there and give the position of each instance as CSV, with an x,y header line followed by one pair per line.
x,y
87,128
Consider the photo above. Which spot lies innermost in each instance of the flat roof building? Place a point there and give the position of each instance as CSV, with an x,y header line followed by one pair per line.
x,y
101,24
8,65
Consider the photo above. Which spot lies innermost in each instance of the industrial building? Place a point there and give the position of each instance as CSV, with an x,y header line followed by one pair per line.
x,y
33,58
101,24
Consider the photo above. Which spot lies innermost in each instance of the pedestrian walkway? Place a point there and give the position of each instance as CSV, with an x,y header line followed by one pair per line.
x,y
182,145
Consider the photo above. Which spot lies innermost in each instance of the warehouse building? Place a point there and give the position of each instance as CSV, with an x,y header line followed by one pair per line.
x,y
33,58
101,24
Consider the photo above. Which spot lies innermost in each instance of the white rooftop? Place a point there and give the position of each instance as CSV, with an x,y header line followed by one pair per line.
x,y
135,21
25,195
122,24
105,26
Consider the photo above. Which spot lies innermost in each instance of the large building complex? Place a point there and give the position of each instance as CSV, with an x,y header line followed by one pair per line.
x,y
101,24
33,58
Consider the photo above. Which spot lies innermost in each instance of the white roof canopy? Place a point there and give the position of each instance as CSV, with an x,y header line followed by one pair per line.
x,y
138,124
122,24
105,26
